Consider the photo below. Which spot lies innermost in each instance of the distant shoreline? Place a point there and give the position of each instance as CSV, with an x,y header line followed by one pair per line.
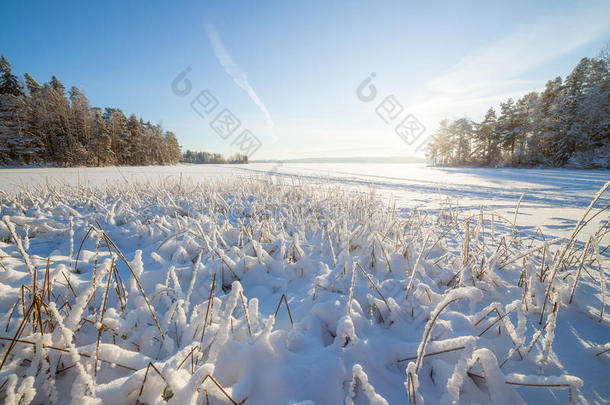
x,y
358,159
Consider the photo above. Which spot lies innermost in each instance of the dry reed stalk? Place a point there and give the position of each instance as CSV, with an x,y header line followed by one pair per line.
x,y
103,326
11,314
103,311
602,277
80,247
189,354
45,346
517,213
373,285
71,233
602,352
243,304
559,260
580,267
69,284
207,312
222,257
500,318
38,312
47,281
411,392
415,266
466,250
332,250
517,383
453,349
287,307
219,387
351,290
542,262
536,337
26,258
109,242
20,329
428,330
438,240
148,367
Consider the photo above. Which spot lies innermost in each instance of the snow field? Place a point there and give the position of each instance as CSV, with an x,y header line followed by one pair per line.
x,y
275,292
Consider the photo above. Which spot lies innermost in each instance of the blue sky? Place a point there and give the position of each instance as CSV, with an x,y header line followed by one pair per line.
x,y
289,70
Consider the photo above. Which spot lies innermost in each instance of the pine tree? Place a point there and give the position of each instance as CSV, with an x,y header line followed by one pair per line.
x,y
591,127
135,144
486,140
100,144
57,85
32,85
573,92
548,116
117,127
80,124
68,152
462,133
173,148
34,119
508,129
526,138
8,82
440,149
156,142
58,128
15,144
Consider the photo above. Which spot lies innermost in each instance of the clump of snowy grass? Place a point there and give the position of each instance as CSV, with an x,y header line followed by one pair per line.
x,y
175,295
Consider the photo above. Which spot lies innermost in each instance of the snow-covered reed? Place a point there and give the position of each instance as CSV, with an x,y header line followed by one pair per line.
x,y
263,292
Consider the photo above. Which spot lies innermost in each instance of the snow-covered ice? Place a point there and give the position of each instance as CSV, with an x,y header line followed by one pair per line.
x,y
553,200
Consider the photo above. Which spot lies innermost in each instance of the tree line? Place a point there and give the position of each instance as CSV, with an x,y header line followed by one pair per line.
x,y
42,123
191,156
566,125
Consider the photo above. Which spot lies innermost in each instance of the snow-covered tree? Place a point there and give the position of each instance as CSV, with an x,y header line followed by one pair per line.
x,y
567,124
462,134
42,124
440,148
135,140
9,84
100,144
487,151
80,124
173,148
117,128
15,143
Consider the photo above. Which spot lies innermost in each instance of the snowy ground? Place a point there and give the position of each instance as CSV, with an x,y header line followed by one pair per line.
x,y
166,250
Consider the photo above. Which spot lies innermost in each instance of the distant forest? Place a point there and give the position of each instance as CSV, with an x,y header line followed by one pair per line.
x,y
567,125
205,157
41,124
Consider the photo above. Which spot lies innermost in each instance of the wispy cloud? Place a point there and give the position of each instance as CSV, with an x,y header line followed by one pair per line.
x,y
497,65
237,74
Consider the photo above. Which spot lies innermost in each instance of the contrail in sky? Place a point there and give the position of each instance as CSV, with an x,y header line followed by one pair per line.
x,y
238,75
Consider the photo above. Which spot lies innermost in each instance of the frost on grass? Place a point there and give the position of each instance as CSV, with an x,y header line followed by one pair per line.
x,y
258,292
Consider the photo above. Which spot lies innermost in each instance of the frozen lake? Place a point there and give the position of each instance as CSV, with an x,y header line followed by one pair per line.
x,y
554,199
